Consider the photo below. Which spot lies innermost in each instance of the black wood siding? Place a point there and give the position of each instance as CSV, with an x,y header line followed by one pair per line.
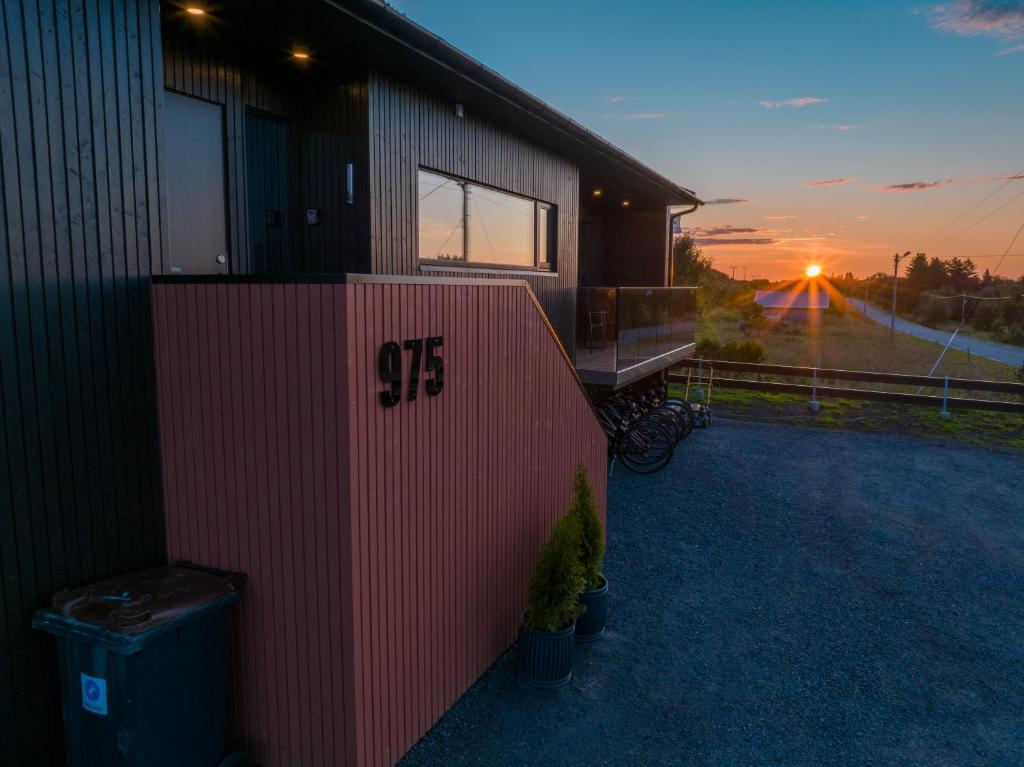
x,y
327,128
410,129
80,85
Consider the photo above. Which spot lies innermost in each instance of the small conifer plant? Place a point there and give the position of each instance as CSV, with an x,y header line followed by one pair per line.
x,y
592,537
557,579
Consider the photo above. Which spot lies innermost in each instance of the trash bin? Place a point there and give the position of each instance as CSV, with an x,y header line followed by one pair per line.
x,y
144,667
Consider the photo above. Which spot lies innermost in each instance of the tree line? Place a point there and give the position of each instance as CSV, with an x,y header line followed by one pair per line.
x,y
937,291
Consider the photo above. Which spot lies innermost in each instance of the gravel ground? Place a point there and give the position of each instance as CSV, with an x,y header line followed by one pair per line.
x,y
790,596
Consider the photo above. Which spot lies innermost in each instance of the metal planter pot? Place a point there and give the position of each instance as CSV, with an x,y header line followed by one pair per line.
x,y
590,625
546,657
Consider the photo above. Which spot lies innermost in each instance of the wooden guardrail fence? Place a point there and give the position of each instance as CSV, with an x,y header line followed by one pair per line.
x,y
818,374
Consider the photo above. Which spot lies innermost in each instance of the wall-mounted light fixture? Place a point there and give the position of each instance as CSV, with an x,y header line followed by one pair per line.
x,y
459,111
597,192
300,54
195,10
625,203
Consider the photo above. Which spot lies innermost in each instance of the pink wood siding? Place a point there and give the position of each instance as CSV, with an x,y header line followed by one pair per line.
x,y
387,548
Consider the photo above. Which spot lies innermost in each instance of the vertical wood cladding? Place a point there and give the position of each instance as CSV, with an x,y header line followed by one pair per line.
x,y
80,88
409,129
326,124
387,548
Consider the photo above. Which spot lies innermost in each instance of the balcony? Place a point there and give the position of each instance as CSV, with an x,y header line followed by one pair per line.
x,y
624,334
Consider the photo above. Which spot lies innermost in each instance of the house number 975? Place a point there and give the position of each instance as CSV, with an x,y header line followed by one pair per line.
x,y
389,365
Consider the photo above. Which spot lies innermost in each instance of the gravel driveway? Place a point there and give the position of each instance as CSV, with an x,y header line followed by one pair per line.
x,y
787,596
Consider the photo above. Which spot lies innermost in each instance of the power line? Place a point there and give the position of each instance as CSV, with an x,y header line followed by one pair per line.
x,y
974,207
1006,252
975,223
964,295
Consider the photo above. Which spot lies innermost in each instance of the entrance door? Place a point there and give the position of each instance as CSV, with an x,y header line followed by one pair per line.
x,y
194,169
267,171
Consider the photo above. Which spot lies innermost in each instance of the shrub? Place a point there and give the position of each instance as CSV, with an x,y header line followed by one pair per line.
x,y
752,315
743,351
1020,373
708,349
1011,333
985,315
557,580
592,540
932,309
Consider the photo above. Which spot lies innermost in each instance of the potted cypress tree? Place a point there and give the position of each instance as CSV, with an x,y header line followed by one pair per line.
x,y
594,599
546,638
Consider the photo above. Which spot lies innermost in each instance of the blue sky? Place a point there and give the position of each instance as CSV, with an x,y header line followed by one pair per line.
x,y
925,92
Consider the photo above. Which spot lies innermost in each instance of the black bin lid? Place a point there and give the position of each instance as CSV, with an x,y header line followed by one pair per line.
x,y
141,601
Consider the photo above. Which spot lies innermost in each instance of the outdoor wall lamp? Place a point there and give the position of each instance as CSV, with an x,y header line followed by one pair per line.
x,y
195,10
300,55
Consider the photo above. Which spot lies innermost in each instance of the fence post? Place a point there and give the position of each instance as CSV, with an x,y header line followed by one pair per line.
x,y
944,413
813,404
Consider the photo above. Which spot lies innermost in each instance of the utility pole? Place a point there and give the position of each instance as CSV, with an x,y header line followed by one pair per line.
x,y
744,274
733,272
895,282
867,282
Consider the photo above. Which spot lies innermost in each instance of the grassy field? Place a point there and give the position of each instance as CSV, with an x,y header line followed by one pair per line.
x,y
976,427
846,340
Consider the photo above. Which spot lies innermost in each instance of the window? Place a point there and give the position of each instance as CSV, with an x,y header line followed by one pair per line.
x,y
442,210
464,223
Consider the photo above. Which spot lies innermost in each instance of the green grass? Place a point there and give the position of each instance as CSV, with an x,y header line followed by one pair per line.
x,y
975,427
848,341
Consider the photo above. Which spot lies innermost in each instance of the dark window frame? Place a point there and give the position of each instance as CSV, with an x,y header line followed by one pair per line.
x,y
551,210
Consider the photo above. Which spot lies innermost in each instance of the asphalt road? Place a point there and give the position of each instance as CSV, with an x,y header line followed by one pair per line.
x,y
787,596
1005,353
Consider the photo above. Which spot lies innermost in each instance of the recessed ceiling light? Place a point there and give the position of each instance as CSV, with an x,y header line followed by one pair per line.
x,y
195,10
300,55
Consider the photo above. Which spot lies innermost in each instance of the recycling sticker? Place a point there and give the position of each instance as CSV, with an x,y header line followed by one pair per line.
x,y
94,694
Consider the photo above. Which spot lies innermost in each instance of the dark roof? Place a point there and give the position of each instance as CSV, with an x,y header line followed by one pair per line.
x,y
400,28
792,299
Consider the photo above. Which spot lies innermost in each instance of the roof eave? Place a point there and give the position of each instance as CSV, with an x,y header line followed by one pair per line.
x,y
400,28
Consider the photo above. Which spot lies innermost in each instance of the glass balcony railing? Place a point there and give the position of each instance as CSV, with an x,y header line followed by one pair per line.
x,y
626,333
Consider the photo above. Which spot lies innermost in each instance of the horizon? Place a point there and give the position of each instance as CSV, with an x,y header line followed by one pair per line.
x,y
816,134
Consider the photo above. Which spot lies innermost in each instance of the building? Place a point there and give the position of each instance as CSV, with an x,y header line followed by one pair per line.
x,y
244,144
803,305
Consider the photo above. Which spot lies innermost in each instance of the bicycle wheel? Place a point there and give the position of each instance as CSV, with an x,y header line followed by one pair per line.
x,y
685,412
645,448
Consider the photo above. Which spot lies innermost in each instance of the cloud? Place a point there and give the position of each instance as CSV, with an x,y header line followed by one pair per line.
x,y
974,18
840,127
920,186
863,218
1014,49
831,182
726,235
803,101
645,116
725,201
735,241
615,99
915,186
778,218
727,229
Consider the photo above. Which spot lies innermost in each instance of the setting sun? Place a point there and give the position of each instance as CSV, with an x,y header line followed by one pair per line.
x,y
813,270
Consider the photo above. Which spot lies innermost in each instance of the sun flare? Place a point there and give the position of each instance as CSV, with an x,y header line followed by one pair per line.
x,y
813,270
